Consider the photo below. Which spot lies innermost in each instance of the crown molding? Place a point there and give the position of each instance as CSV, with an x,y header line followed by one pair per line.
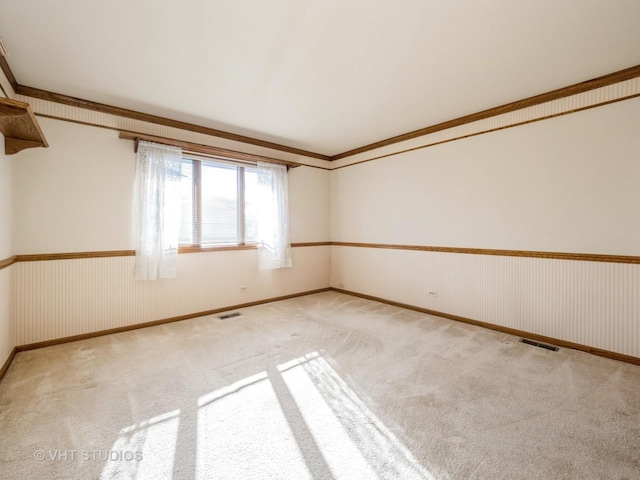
x,y
595,83
145,117
599,82
8,73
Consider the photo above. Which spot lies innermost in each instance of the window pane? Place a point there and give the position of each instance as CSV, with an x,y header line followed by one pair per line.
x,y
251,204
219,203
186,186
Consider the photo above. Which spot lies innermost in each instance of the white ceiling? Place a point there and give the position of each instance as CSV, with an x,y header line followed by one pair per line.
x,y
325,76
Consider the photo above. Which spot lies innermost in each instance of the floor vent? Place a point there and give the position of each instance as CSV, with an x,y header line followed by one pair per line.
x,y
539,344
229,315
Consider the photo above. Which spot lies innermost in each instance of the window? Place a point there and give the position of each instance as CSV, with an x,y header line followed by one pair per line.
x,y
191,202
219,203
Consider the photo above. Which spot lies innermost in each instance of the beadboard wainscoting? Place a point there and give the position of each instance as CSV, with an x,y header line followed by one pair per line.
x,y
587,303
7,333
62,298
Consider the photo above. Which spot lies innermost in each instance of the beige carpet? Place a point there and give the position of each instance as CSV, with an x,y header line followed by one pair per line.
x,y
326,386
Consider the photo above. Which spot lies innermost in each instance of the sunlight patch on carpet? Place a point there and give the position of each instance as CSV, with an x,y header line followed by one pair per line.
x,y
154,440
354,441
243,434
298,419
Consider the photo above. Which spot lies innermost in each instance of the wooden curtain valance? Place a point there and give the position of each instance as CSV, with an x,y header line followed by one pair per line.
x,y
206,150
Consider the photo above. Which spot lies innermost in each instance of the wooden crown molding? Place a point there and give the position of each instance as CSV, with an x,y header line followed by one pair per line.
x,y
126,113
145,117
8,73
599,82
488,130
3,50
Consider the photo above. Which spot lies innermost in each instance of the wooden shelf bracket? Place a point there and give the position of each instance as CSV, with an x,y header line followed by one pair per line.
x,y
19,126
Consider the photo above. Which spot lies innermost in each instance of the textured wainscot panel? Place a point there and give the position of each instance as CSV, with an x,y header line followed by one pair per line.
x,y
61,298
6,325
590,303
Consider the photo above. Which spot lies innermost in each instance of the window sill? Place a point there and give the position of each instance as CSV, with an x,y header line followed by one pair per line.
x,y
215,248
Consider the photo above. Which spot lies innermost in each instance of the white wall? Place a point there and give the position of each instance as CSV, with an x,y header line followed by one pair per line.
x,y
6,203
310,204
77,195
6,250
566,184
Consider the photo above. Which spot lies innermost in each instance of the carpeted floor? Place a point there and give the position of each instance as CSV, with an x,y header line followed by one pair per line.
x,y
326,386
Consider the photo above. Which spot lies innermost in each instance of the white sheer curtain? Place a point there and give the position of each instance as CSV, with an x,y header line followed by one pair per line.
x,y
157,211
274,249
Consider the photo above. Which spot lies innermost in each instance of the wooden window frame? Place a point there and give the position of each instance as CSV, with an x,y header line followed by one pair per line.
x,y
198,152
196,220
